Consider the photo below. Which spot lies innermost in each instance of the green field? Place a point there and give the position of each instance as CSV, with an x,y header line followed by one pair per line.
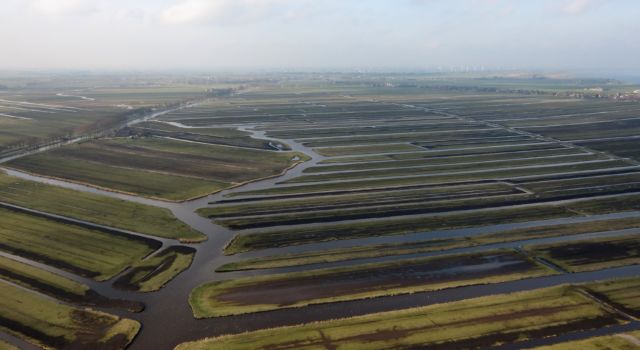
x,y
381,162
354,200
90,253
54,325
490,174
344,151
159,168
154,273
472,323
57,286
95,208
216,136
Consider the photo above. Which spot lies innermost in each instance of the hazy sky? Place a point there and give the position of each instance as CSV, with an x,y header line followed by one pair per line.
x,y
300,34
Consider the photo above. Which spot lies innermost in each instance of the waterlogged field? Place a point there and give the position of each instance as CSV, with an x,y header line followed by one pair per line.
x,y
593,254
474,323
335,206
431,245
365,281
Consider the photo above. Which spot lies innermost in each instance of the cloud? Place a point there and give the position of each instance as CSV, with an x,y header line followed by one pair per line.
x,y
227,11
187,11
63,7
576,7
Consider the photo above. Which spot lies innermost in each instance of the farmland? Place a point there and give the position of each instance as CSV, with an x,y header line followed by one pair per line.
x,y
51,324
298,211
365,281
91,253
166,169
102,210
473,323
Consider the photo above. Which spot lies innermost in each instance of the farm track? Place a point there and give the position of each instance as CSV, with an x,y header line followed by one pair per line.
x,y
168,319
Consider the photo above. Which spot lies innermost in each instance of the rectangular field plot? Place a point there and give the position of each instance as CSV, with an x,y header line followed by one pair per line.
x,y
367,149
599,184
445,221
593,254
456,155
430,245
354,200
507,174
426,158
56,286
172,170
86,252
591,131
450,168
478,323
216,136
459,133
627,148
254,294
54,325
381,130
94,208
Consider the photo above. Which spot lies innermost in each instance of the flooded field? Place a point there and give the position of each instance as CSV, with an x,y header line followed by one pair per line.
x,y
257,208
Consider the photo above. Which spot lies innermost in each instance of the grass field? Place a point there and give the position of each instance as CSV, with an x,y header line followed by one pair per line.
x,y
57,286
152,274
473,323
450,168
499,174
160,168
353,200
216,136
254,294
90,253
95,208
381,162
54,325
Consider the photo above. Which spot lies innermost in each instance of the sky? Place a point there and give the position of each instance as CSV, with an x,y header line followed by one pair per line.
x,y
320,34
